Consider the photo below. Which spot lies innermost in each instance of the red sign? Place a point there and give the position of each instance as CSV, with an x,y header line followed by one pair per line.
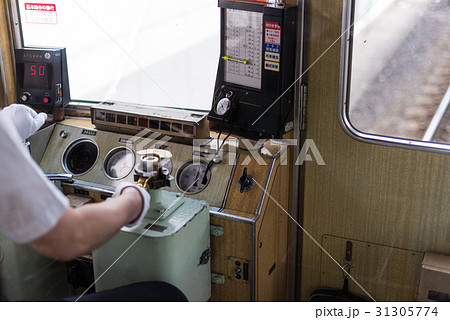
x,y
272,33
40,6
42,13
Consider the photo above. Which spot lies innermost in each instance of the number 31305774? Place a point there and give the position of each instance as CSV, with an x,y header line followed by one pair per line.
x,y
406,311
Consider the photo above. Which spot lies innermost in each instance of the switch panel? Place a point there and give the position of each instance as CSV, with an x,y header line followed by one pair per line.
x,y
238,269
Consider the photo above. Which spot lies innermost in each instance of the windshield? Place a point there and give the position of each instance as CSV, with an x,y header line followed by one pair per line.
x,y
148,52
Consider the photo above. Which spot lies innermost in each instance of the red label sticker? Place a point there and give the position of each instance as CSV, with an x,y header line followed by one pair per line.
x,y
43,13
272,33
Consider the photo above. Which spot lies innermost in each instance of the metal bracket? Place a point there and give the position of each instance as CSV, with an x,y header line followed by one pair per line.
x,y
216,231
348,251
217,278
348,258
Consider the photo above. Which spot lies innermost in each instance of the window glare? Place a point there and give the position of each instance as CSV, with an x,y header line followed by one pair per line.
x,y
149,52
400,67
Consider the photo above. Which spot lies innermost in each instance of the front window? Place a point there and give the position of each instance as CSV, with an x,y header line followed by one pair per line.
x,y
149,52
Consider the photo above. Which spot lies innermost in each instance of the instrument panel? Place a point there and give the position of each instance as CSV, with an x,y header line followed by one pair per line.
x,y
103,159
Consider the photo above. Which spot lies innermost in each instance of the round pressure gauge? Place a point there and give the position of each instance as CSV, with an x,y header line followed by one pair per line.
x,y
80,156
191,177
223,106
118,163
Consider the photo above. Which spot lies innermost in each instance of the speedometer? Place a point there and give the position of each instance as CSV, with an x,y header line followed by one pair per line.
x,y
193,177
80,156
118,163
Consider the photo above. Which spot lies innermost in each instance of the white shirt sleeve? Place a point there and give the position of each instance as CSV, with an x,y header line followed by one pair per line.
x,y
30,205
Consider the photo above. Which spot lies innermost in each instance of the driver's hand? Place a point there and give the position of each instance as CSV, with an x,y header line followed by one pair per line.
x,y
25,119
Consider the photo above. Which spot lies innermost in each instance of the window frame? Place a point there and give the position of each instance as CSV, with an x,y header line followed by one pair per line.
x,y
344,95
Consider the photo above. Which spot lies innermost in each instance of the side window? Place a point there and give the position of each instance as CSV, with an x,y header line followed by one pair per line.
x,y
149,52
399,71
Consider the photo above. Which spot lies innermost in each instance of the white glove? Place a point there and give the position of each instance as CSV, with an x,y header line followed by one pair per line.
x,y
145,196
25,119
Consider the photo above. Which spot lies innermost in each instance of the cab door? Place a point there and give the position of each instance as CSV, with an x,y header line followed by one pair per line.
x,y
372,210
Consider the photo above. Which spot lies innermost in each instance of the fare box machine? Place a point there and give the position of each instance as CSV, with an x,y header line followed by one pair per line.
x,y
253,95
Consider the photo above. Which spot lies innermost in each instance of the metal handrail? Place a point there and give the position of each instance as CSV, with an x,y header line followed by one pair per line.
x,y
434,124
3,81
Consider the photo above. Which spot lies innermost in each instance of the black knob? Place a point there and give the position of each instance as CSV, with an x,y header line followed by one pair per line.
x,y
245,182
63,134
25,97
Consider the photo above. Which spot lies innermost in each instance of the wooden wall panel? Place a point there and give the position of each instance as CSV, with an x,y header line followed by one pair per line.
x,y
385,271
234,243
272,241
247,201
384,195
5,46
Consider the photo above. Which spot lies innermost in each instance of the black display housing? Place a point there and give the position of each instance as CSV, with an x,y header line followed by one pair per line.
x,y
277,90
41,76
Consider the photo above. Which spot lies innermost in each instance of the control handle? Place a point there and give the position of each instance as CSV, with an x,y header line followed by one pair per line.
x,y
245,182
63,177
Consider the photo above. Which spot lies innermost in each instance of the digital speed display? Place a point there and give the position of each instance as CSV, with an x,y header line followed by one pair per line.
x,y
36,76
42,78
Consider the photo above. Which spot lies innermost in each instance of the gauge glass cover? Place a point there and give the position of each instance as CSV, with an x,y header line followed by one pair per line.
x,y
80,156
191,177
119,162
